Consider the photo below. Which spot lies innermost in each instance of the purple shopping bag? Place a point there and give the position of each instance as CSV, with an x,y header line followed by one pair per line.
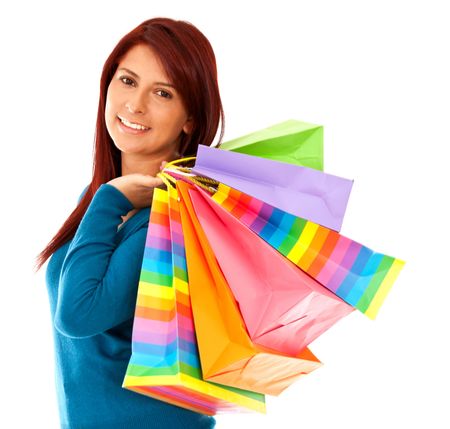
x,y
304,192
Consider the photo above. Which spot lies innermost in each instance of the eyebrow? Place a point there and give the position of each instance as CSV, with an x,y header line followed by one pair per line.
x,y
137,77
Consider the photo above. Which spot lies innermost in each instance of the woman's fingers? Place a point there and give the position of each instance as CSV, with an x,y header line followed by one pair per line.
x,y
153,181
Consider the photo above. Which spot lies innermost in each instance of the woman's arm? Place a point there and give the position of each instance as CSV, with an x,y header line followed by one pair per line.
x,y
99,277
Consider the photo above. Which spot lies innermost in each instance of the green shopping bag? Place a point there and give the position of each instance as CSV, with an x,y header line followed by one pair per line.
x,y
291,141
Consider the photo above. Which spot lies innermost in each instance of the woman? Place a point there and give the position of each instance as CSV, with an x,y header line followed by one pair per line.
x,y
159,99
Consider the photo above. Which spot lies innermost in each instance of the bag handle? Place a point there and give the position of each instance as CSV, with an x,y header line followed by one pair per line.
x,y
200,181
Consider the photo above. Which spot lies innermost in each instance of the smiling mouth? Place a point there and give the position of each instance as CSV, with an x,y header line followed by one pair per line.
x,y
132,125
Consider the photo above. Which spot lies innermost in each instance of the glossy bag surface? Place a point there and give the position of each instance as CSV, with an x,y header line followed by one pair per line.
x,y
165,363
227,354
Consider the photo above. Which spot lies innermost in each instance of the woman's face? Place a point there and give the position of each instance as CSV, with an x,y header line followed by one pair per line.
x,y
144,113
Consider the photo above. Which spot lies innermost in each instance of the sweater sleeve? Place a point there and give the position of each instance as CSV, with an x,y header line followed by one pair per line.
x,y
99,278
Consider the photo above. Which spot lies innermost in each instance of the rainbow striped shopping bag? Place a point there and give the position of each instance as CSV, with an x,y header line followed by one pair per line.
x,y
355,273
165,362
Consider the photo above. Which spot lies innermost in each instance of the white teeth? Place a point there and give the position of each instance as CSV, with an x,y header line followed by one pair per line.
x,y
131,125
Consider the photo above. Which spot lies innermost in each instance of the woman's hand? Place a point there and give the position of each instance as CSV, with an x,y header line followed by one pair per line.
x,y
138,188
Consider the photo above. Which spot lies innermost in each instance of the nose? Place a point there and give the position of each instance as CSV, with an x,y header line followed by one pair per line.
x,y
136,104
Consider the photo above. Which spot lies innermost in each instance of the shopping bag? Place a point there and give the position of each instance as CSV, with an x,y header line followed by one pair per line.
x,y
226,352
164,363
291,141
311,194
283,308
355,273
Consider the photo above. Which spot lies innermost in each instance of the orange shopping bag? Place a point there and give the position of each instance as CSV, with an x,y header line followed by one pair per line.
x,y
227,354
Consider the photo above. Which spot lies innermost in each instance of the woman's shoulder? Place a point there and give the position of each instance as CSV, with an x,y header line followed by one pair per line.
x,y
82,193
138,221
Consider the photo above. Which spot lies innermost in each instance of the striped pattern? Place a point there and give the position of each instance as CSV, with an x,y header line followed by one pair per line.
x,y
352,271
165,362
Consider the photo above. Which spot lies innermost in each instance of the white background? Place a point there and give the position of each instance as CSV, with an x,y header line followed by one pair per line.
x,y
374,73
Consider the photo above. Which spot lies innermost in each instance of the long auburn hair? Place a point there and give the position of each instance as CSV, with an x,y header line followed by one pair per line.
x,y
189,61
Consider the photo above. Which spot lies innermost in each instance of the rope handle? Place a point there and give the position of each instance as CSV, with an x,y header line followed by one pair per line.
x,y
200,181
179,161
167,180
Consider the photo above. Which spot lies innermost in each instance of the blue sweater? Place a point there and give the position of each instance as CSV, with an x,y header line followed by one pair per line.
x,y
92,286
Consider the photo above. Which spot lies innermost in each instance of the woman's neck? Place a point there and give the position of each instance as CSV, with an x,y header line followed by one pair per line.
x,y
149,166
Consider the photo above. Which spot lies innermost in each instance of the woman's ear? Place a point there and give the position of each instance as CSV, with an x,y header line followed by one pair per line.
x,y
188,125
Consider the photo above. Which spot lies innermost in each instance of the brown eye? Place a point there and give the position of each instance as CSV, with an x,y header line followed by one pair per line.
x,y
127,81
164,93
